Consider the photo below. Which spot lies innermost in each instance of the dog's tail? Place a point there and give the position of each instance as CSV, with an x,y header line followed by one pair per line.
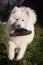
x,y
32,15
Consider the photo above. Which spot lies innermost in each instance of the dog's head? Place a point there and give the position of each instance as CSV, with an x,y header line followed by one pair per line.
x,y
19,20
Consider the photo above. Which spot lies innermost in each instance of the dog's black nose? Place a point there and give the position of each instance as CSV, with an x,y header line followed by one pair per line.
x,y
18,26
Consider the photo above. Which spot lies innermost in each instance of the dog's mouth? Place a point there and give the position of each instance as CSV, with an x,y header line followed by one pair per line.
x,y
20,32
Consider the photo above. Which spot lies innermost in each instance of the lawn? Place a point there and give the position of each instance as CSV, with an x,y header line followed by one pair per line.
x,y
34,52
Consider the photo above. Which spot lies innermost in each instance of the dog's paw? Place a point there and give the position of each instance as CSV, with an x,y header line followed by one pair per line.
x,y
11,57
19,57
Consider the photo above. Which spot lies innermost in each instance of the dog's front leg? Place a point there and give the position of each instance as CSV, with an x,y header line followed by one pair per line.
x,y
10,50
21,52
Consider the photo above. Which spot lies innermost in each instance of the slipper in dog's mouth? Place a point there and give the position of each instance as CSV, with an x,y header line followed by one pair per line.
x,y
21,32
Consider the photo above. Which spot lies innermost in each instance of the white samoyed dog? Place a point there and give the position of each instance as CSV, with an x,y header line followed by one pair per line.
x,y
20,31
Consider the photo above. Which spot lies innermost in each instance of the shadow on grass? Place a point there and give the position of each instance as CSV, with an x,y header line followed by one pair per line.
x,y
2,48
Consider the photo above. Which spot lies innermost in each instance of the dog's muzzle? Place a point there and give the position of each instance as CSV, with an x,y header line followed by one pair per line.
x,y
21,32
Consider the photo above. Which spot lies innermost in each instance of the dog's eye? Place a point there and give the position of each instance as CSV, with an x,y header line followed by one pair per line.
x,y
17,19
22,20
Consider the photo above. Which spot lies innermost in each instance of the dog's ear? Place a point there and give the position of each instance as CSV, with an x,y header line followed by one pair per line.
x,y
28,11
15,9
31,14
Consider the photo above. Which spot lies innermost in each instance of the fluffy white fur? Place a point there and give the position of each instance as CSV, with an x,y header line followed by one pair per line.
x,y
20,42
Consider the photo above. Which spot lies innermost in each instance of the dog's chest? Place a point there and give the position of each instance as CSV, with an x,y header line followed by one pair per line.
x,y
22,39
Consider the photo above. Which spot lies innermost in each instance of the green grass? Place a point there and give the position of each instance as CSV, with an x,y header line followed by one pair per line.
x,y
34,52
2,33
